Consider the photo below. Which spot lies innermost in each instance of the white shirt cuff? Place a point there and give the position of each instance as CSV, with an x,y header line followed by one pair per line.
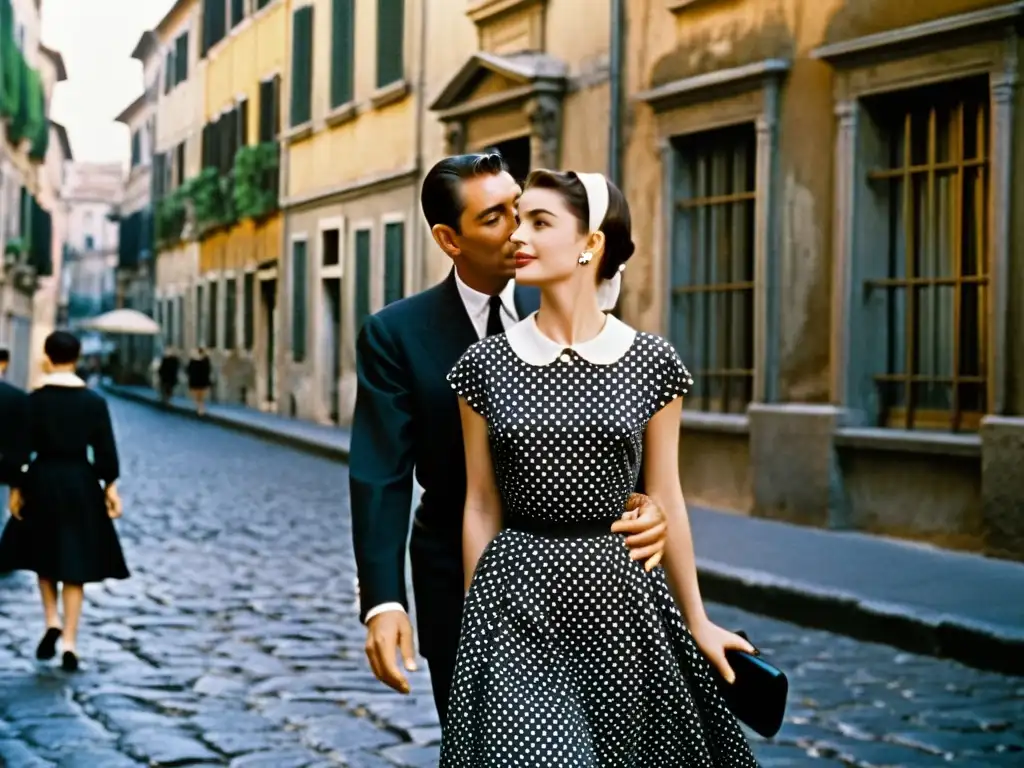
x,y
382,608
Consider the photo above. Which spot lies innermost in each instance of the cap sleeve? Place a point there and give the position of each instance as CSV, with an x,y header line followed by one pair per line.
x,y
672,379
468,380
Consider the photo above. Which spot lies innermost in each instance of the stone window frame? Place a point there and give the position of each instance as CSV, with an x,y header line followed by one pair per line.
x,y
719,99
331,222
949,49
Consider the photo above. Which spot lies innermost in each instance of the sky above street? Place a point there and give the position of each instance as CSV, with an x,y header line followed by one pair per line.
x,y
96,39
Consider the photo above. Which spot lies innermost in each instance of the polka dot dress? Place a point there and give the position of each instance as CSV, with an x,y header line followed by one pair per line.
x,y
571,654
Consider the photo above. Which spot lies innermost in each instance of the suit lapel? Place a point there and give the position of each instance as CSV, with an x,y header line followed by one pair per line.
x,y
455,329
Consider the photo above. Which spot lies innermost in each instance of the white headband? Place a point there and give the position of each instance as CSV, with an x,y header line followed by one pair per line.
x,y
596,187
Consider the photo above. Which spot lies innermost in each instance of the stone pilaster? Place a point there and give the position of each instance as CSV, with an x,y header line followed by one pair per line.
x,y
544,113
1002,485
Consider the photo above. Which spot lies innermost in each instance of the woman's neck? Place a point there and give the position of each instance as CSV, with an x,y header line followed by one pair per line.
x,y
569,313
69,368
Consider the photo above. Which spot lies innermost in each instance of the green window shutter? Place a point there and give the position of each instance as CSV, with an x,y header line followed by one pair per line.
x,y
342,51
181,58
362,277
262,3
302,66
248,310
211,327
40,239
169,72
390,40
394,261
200,313
299,279
237,12
230,326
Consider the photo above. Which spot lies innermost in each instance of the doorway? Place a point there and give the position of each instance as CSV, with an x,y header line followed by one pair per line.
x,y
330,320
517,156
268,301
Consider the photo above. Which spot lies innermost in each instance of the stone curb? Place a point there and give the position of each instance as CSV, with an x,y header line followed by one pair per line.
x,y
906,627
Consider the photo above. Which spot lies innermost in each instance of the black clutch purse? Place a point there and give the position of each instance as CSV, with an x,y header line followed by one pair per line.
x,y
758,695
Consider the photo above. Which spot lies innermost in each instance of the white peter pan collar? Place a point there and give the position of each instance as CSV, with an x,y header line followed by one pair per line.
x,y
534,348
62,379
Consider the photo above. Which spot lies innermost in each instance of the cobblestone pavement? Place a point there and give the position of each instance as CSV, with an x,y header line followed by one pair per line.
x,y
237,642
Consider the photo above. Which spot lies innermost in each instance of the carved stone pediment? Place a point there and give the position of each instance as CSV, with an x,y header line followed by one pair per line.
x,y
487,80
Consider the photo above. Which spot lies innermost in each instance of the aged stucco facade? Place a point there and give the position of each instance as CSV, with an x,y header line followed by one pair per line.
x,y
350,191
824,199
180,109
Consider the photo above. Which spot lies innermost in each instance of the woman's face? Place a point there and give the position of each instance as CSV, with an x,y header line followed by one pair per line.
x,y
549,239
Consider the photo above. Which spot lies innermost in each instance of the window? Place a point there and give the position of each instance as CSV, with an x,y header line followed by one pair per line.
x,y
200,316
179,165
932,280
299,279
394,261
211,324
248,310
342,51
237,12
302,66
89,242
181,58
242,124
390,41
263,3
230,310
362,276
168,321
136,148
180,329
215,20
270,109
169,71
712,266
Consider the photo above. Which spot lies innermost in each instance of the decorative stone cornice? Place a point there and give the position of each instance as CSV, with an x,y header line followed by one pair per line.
x,y
702,87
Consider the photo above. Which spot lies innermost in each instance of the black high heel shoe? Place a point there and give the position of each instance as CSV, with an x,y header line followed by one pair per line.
x,y
69,662
47,647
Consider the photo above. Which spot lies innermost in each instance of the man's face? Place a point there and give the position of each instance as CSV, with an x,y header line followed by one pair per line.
x,y
487,222
3,367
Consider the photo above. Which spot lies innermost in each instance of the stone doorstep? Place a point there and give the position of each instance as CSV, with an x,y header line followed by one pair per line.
x,y
996,648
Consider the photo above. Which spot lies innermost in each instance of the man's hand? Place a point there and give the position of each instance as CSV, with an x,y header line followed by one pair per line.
x,y
15,502
646,523
388,633
113,503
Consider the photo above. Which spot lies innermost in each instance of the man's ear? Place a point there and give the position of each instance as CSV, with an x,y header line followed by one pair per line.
x,y
445,238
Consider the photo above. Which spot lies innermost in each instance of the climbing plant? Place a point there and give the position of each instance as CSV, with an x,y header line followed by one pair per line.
x,y
211,197
255,180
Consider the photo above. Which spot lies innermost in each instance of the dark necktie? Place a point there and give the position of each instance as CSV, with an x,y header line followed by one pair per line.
x,y
494,324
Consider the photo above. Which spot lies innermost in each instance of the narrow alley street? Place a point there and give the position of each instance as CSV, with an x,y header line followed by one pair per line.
x,y
237,641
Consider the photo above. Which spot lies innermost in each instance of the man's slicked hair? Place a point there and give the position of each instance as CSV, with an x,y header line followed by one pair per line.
x,y
441,196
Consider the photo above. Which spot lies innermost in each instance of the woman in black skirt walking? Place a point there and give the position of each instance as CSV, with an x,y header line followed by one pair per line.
x,y
200,377
64,506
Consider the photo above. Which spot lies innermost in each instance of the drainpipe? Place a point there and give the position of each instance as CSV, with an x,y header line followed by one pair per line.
x,y
419,249
615,93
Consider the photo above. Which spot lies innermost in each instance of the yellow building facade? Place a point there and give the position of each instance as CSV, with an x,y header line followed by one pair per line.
x,y
350,170
238,259
827,228
171,52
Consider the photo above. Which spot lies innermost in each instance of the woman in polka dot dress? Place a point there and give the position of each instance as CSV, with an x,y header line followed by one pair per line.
x,y
572,653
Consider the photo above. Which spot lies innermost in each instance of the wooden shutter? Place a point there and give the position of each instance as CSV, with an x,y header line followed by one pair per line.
x,y
242,129
390,39
248,310
266,111
237,12
394,261
362,277
200,314
299,279
169,72
230,324
342,51
181,58
211,328
302,66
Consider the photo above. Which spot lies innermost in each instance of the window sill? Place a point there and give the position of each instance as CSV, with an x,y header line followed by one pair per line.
x,y
909,441
720,423
341,114
390,94
298,133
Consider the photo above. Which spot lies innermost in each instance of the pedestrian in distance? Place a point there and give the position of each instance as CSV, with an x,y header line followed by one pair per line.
x,y
200,378
14,429
407,422
63,505
170,367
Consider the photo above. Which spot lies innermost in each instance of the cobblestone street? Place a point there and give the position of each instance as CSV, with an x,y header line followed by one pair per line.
x,y
237,641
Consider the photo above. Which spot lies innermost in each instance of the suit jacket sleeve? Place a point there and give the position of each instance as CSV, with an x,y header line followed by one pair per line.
x,y
381,467
16,446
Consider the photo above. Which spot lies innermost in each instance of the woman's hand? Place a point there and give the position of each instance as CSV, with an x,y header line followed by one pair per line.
x,y
15,502
113,502
646,523
714,642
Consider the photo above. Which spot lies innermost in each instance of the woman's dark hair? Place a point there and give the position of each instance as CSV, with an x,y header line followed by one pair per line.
x,y
617,225
441,194
62,348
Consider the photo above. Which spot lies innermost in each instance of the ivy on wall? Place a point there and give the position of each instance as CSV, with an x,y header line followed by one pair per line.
x,y
255,180
22,96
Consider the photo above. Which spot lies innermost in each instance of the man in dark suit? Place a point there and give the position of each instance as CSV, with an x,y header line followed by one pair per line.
x,y
14,428
407,420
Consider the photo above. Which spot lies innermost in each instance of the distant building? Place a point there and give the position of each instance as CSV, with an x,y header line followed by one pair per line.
x,y
93,194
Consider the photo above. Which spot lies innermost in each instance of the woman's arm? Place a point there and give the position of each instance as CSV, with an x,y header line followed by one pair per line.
x,y
104,447
661,481
481,520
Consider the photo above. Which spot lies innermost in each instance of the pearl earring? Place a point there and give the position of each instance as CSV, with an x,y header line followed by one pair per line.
x,y
585,257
